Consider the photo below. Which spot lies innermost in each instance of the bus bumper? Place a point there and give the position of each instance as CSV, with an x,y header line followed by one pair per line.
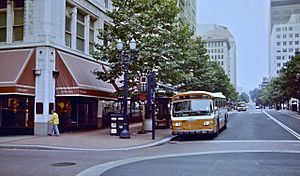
x,y
191,132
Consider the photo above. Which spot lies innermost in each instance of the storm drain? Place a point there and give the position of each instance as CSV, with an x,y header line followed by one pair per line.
x,y
63,164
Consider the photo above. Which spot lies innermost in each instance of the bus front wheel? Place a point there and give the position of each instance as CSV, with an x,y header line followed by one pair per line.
x,y
217,130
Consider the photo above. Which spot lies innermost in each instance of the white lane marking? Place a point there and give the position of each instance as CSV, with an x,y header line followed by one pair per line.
x,y
240,141
101,168
283,126
290,115
255,112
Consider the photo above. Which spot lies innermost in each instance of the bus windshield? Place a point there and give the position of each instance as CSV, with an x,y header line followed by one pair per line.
x,y
241,104
192,108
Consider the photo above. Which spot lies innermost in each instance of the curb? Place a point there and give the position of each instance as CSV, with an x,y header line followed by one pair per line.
x,y
46,147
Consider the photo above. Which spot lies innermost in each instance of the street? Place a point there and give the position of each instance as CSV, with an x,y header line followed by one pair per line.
x,y
256,142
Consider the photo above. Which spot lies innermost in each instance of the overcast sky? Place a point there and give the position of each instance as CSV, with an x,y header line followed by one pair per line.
x,y
247,20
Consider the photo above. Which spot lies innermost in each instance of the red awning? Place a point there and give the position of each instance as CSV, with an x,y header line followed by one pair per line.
x,y
16,76
76,77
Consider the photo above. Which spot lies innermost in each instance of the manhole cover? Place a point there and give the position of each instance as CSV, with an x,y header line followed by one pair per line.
x,y
63,164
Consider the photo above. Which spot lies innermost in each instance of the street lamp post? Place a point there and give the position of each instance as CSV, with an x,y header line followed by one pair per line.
x,y
125,60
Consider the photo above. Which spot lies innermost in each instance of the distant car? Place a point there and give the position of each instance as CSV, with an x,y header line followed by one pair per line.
x,y
257,107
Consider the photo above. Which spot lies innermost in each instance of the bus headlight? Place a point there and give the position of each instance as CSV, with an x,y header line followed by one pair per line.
x,y
177,124
206,123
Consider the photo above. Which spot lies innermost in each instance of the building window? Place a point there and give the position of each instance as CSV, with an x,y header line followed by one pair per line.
x,y
290,28
91,35
278,51
278,64
278,36
105,28
284,36
106,3
222,56
80,32
296,42
68,27
278,57
284,50
296,35
283,43
290,42
18,25
278,43
278,29
291,35
291,49
3,21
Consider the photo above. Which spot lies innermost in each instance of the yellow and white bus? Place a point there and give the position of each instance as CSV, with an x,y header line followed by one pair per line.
x,y
198,112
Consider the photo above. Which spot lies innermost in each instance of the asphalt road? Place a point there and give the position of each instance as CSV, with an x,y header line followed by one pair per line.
x,y
260,164
255,125
253,144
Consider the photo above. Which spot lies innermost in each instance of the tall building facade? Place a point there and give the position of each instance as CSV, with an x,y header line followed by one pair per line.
x,y
188,12
221,47
284,42
45,64
281,11
283,34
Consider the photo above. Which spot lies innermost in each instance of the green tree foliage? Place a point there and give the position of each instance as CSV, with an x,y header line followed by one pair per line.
x,y
283,87
256,96
165,45
161,39
202,74
244,97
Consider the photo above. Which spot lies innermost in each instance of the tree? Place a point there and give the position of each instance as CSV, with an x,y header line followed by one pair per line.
x,y
256,96
162,41
202,74
165,45
244,97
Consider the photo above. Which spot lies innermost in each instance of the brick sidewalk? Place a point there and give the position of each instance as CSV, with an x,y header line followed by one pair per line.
x,y
94,139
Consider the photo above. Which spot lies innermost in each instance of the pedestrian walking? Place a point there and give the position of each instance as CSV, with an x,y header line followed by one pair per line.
x,y
55,121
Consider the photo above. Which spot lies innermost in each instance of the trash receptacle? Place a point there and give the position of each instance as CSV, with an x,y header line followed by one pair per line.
x,y
294,107
116,123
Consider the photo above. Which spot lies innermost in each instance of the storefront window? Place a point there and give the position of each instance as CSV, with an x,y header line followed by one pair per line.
x,y
17,112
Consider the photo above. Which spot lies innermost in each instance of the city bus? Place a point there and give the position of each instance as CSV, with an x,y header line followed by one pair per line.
x,y
241,106
198,112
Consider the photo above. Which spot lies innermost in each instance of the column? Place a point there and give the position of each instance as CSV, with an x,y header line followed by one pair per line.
x,y
74,28
44,89
9,22
86,34
99,24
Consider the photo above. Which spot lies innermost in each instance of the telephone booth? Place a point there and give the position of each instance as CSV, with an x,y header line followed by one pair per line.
x,y
163,116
